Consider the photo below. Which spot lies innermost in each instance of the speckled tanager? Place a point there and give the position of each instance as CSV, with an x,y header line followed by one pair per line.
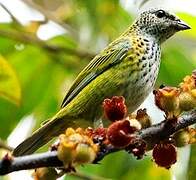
x,y
126,67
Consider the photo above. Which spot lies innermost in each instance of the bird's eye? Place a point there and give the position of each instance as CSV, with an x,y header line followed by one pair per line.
x,y
160,13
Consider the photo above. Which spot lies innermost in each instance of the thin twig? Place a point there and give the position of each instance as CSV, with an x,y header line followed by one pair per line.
x,y
49,16
30,162
164,129
142,2
28,38
14,19
153,134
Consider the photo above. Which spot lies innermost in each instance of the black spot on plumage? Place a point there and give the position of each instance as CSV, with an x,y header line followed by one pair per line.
x,y
136,80
152,55
150,65
153,45
144,74
147,50
146,40
144,65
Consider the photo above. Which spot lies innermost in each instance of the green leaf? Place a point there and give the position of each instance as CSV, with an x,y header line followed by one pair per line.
x,y
190,20
63,41
124,166
192,169
9,84
175,65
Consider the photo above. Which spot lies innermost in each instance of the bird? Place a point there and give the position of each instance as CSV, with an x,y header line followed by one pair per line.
x,y
127,67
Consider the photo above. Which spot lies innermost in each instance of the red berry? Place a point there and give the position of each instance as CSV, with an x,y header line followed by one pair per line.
x,y
99,133
115,108
164,154
120,133
137,148
89,131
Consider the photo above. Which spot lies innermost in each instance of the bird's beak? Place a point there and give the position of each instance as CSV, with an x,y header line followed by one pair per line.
x,y
181,25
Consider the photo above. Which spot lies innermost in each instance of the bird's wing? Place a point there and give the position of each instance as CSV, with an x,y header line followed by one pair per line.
x,y
110,56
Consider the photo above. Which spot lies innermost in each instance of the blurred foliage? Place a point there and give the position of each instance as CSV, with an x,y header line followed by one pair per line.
x,y
192,170
9,84
190,19
123,166
43,74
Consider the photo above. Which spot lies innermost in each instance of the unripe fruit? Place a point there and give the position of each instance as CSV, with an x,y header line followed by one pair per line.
x,y
167,99
76,147
189,83
182,138
84,154
187,101
45,173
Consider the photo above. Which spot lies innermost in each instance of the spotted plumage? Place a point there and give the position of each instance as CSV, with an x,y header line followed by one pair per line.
x,y
127,67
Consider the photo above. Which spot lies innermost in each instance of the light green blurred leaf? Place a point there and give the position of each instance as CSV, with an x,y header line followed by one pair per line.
x,y
192,168
9,84
124,166
190,20
63,41
175,65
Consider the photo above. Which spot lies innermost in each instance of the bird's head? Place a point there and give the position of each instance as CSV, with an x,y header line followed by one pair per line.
x,y
159,24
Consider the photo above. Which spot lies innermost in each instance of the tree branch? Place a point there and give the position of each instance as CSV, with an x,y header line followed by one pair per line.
x,y
28,38
49,16
164,129
14,19
153,134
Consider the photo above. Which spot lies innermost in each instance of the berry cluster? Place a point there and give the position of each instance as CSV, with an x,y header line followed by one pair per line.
x,y
84,145
173,101
122,133
76,147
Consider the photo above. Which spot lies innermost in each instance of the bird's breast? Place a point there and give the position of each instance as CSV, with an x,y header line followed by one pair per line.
x,y
143,62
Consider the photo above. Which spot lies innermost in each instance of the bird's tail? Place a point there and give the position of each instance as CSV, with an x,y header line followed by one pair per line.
x,y
42,136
